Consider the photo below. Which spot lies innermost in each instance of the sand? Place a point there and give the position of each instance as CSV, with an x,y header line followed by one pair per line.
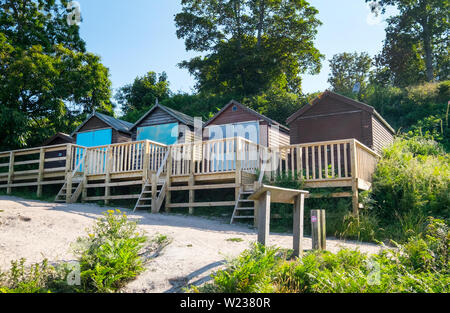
x,y
36,230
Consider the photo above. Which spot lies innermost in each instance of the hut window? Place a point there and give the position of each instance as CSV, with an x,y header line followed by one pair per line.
x,y
234,108
165,133
95,138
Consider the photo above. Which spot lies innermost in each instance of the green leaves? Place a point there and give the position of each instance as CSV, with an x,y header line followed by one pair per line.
x,y
248,45
110,255
46,77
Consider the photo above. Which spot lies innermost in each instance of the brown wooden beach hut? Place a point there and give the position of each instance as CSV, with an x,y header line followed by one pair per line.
x,y
236,119
334,117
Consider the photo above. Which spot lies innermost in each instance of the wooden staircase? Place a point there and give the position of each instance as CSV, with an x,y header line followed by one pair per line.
x,y
244,208
145,200
77,187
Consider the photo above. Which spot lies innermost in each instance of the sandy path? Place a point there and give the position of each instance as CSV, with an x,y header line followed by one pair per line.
x,y
36,230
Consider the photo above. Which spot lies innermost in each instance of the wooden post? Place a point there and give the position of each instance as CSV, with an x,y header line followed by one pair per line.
x,y
298,225
168,174
323,229
154,192
354,169
68,187
264,218
318,231
255,213
146,163
191,181
238,169
10,172
108,168
85,172
41,172
69,158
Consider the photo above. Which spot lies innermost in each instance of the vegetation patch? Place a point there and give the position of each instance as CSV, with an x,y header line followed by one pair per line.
x,y
113,253
419,265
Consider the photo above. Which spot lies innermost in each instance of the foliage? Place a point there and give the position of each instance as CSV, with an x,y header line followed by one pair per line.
x,y
248,45
421,109
417,40
46,77
37,278
421,265
249,272
137,98
411,182
110,255
348,69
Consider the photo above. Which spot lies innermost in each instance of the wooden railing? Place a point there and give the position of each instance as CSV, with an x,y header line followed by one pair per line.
x,y
316,162
322,161
26,167
215,156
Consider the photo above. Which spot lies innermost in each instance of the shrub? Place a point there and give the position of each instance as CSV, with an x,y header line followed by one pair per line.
x,y
37,278
411,182
250,272
421,265
109,256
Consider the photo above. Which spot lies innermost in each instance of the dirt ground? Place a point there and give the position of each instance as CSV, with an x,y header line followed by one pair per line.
x,y
36,230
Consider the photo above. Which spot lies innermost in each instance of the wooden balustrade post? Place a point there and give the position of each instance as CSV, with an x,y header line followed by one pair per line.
x,y
69,158
168,174
108,169
10,172
85,172
68,187
238,168
41,172
154,192
191,181
146,163
354,169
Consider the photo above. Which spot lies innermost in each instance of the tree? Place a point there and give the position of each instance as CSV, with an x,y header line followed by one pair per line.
x,y
424,26
48,82
246,45
136,98
348,69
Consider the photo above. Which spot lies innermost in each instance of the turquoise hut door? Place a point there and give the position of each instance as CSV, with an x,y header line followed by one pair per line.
x,y
95,138
166,133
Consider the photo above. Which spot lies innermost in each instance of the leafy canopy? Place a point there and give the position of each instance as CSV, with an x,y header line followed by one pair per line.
x,y
46,77
247,45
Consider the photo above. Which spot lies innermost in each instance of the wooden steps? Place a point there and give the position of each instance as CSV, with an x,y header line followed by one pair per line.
x,y
248,212
145,200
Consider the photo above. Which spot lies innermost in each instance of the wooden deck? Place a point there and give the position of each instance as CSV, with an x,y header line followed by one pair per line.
x,y
154,171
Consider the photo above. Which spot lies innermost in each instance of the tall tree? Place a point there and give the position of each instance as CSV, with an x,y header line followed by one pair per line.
x,y
424,26
247,45
348,69
138,97
46,76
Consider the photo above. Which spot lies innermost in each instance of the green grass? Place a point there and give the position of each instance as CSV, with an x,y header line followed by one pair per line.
x,y
235,239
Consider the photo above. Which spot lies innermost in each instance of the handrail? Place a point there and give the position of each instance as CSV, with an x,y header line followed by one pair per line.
x,y
129,143
83,159
31,149
163,164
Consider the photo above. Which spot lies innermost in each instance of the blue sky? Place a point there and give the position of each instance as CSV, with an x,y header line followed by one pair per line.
x,y
134,37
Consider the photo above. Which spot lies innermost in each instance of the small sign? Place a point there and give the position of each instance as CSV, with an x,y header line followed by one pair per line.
x,y
314,219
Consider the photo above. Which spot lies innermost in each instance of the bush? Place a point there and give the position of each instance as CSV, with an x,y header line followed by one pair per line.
x,y
411,182
421,265
110,255
250,272
37,278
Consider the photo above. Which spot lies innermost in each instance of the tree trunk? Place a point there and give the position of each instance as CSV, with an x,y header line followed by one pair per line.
x,y
261,22
428,51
